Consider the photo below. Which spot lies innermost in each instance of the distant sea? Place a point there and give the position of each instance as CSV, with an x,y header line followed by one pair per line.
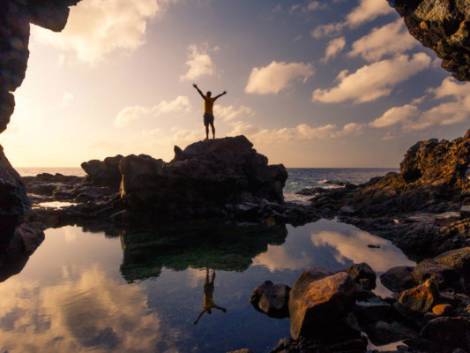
x,y
299,178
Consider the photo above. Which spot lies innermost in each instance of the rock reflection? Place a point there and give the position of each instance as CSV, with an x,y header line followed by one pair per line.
x,y
218,246
90,313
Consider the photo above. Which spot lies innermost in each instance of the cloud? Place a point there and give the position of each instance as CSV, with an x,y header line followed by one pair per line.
x,y
327,30
305,132
393,38
396,115
334,47
230,113
367,11
97,28
199,63
277,76
373,81
129,115
310,6
455,110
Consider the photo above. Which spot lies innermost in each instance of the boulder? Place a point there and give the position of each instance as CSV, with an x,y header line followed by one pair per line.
x,y
104,173
318,301
420,299
448,333
201,180
272,299
442,25
398,278
363,275
13,200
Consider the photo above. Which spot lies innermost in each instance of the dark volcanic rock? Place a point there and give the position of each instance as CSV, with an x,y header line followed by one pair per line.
x,y
202,179
271,299
398,278
105,173
13,200
444,26
448,333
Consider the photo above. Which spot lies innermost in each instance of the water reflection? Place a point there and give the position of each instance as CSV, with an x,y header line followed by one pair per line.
x,y
218,246
90,312
209,303
141,292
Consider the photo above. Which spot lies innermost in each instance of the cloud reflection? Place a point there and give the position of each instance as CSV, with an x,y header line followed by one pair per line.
x,y
92,313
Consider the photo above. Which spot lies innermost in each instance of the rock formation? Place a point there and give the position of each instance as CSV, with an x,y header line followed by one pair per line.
x,y
104,173
444,26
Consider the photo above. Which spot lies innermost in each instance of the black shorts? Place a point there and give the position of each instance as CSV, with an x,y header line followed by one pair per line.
x,y
208,119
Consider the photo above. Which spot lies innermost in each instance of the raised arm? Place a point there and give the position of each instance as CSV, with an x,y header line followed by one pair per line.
x,y
220,95
199,91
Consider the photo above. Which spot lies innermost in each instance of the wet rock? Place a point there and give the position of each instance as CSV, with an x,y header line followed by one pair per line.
x,y
372,310
443,26
31,235
271,299
363,275
243,350
104,173
420,299
448,333
317,302
398,279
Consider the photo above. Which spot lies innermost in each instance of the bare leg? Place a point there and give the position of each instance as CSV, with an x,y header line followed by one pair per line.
x,y
207,132
213,130
220,308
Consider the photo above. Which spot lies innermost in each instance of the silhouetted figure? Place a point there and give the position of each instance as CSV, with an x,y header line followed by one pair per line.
x,y
209,109
209,303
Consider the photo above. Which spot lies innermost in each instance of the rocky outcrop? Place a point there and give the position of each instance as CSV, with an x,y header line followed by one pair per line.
x,y
271,299
442,25
417,208
201,180
104,173
13,200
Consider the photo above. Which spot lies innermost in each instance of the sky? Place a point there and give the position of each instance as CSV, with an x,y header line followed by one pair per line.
x,y
336,83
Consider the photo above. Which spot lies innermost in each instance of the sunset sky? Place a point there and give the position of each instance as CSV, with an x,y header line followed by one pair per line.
x,y
336,83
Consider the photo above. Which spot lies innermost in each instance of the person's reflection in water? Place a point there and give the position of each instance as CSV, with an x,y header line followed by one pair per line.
x,y
209,303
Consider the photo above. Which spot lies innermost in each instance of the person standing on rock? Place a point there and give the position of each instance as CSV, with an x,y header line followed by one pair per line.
x,y
209,109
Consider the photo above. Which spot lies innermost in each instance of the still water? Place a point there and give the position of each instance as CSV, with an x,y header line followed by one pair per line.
x,y
141,291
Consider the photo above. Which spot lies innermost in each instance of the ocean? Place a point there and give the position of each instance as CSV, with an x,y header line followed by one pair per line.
x,y
299,178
